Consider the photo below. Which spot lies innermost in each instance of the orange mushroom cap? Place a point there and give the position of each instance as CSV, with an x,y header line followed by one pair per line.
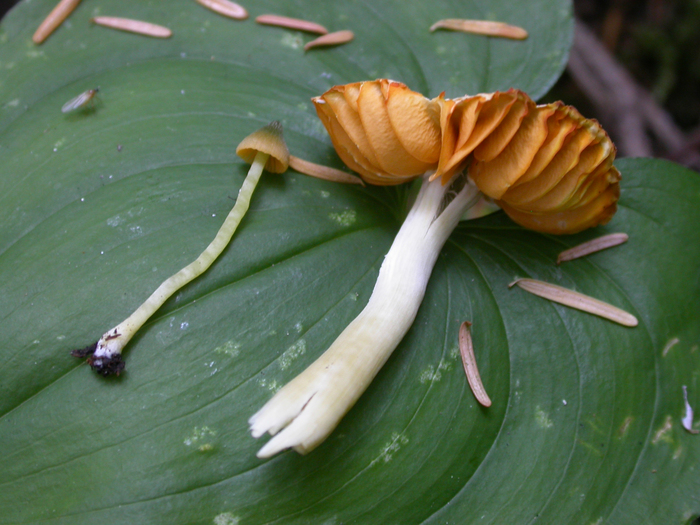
x,y
547,167
268,139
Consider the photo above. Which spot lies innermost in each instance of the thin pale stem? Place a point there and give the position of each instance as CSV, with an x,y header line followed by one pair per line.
x,y
311,405
114,340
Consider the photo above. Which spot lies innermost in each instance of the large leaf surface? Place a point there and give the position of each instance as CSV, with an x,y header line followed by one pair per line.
x,y
97,208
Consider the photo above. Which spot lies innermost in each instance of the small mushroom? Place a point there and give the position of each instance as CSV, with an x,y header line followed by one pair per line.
x,y
263,149
546,166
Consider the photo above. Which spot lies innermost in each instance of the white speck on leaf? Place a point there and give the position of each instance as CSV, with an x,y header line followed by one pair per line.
x,y
200,437
434,374
671,343
292,41
226,518
230,348
345,218
542,418
663,433
272,385
391,447
292,353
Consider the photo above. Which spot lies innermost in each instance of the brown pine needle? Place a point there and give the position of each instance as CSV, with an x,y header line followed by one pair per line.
x,y
576,300
466,349
592,246
331,39
132,26
291,23
322,172
481,27
225,8
55,19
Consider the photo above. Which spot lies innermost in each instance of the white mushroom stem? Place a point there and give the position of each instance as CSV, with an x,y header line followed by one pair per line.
x,y
308,408
113,341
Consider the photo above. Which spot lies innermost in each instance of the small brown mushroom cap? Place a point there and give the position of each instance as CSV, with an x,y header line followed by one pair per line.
x,y
270,140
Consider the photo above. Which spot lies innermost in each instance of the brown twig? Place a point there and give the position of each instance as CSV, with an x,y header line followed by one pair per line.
x,y
626,108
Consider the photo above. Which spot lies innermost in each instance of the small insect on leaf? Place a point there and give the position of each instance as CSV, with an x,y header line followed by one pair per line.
x,y
55,19
481,27
688,418
592,246
80,101
291,23
133,26
322,172
225,8
331,39
466,349
576,300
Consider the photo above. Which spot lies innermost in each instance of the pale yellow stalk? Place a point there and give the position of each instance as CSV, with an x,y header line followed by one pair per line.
x,y
308,408
110,345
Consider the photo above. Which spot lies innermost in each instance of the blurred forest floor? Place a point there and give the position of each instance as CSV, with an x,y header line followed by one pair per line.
x,y
634,66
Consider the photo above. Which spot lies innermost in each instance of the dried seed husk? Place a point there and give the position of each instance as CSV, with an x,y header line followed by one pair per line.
x,y
579,301
481,27
133,26
291,23
466,350
592,246
331,39
322,172
225,8
55,18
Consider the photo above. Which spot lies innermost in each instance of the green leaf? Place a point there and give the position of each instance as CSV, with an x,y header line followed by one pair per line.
x,y
98,207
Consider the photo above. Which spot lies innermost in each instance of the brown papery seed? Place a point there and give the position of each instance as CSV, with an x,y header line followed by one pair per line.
x,y
331,39
291,23
133,26
55,19
225,8
592,246
481,27
322,172
576,300
466,349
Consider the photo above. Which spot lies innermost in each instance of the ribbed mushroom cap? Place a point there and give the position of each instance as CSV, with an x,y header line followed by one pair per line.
x,y
270,140
549,168
381,129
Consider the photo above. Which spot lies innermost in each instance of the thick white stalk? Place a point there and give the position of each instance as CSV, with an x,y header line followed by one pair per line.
x,y
311,405
107,355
